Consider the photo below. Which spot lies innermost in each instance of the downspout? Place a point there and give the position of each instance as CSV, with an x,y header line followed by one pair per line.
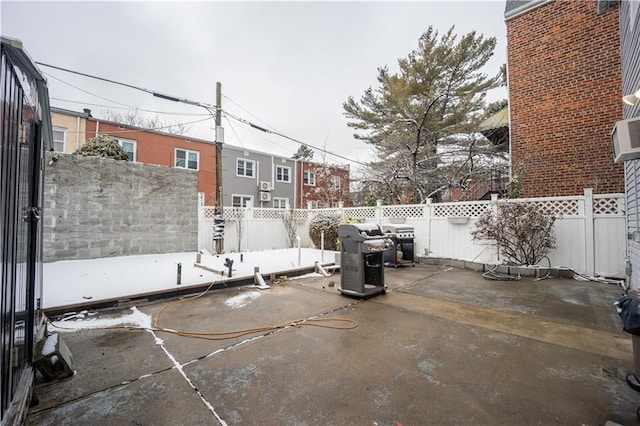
x,y
77,133
295,184
258,181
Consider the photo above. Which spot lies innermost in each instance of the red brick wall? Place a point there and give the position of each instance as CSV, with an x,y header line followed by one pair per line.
x,y
565,95
306,192
158,148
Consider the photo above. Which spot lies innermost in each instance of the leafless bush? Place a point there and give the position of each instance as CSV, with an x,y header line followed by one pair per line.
x,y
522,232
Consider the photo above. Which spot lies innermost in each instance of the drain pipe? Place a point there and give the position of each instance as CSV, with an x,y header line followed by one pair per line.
x,y
299,250
322,246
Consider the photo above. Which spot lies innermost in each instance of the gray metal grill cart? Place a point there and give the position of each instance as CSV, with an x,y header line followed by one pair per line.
x,y
402,236
361,259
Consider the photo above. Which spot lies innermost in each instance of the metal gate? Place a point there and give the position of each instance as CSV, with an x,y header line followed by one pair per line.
x,y
23,104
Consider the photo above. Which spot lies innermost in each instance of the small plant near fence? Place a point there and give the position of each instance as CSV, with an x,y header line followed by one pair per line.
x,y
290,224
329,223
522,232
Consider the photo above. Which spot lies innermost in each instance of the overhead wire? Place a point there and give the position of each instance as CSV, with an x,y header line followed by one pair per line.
x,y
206,106
248,112
133,108
264,129
85,91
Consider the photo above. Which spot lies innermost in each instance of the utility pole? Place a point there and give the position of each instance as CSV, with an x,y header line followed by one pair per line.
x,y
219,142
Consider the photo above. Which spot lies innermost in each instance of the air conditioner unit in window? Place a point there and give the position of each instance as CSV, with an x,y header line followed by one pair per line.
x,y
265,185
265,196
625,137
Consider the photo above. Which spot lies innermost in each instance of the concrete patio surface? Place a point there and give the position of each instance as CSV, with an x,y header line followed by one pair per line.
x,y
442,346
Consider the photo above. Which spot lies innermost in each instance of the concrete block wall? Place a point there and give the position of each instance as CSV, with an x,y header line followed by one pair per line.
x,y
96,207
564,94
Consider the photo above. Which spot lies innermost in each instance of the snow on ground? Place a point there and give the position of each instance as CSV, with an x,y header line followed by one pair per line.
x,y
80,281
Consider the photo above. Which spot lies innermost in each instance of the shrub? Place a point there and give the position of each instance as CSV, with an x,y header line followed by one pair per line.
x,y
103,146
327,222
522,232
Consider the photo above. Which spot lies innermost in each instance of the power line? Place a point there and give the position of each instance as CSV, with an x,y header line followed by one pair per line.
x,y
132,108
85,91
208,107
262,129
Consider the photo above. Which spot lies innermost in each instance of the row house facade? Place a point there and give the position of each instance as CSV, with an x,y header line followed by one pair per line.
x,y
249,177
322,185
71,130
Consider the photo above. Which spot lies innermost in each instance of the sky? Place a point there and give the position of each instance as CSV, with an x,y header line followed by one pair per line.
x,y
286,66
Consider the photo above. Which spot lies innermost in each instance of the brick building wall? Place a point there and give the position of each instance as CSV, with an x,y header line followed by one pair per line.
x,y
564,95
322,191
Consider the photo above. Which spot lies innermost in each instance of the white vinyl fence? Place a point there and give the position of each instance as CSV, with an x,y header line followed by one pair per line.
x,y
590,229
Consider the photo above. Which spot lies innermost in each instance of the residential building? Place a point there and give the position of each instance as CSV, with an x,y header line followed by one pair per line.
x,y
564,82
257,179
630,51
321,185
71,130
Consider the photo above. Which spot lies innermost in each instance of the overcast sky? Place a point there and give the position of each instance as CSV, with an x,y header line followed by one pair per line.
x,y
283,65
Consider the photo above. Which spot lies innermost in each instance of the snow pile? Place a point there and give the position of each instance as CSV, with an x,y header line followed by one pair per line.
x,y
135,319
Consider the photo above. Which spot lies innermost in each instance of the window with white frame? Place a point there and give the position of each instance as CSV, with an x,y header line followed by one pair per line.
x,y
309,178
280,203
244,167
283,174
186,159
241,200
335,181
59,139
129,146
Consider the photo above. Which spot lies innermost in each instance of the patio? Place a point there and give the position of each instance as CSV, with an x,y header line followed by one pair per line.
x,y
442,346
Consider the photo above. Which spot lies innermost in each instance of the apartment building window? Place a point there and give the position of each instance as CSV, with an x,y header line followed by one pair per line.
x,y
241,200
186,159
280,203
309,178
59,139
283,174
335,181
244,167
129,147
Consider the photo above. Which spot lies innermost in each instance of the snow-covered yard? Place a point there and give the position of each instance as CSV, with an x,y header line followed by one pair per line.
x,y
81,281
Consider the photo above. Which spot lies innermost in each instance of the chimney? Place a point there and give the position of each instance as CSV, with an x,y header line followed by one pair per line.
x,y
88,112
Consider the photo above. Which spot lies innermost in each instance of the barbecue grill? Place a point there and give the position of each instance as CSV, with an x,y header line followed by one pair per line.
x,y
402,238
361,259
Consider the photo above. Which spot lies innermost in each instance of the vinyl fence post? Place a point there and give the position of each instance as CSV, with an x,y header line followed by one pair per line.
x,y
379,211
589,239
427,217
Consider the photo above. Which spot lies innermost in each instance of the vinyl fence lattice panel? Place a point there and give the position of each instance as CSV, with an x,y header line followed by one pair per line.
x,y
608,205
272,214
208,212
360,212
403,211
459,209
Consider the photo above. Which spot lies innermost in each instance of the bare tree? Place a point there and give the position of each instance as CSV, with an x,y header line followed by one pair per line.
x,y
290,225
136,119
